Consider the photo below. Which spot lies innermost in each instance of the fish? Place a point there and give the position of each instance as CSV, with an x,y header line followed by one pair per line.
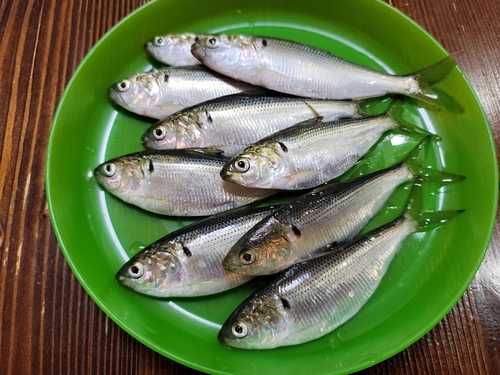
x,y
161,92
173,49
312,298
175,182
302,70
308,154
334,212
188,261
232,122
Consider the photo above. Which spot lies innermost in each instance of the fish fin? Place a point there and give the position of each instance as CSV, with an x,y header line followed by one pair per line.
x,y
428,94
430,220
299,175
374,106
308,122
317,116
414,162
396,111
207,151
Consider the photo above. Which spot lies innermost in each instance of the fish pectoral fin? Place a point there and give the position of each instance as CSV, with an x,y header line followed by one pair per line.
x,y
309,122
207,151
299,176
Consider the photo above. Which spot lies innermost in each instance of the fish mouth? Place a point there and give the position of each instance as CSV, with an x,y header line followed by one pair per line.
x,y
115,95
198,51
149,143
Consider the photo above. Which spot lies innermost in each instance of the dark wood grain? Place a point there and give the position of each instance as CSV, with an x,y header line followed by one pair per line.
x,y
49,325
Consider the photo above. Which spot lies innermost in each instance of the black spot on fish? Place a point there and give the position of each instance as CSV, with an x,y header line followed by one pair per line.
x,y
165,78
187,252
151,166
283,147
209,117
285,303
296,230
264,42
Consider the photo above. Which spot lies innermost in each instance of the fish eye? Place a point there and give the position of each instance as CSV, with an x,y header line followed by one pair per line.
x,y
241,165
159,132
136,270
247,256
239,330
212,42
109,169
123,85
159,41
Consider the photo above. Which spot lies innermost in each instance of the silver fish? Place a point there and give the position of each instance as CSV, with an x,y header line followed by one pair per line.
x,y
161,92
306,155
235,121
298,69
174,182
336,212
312,298
187,262
173,49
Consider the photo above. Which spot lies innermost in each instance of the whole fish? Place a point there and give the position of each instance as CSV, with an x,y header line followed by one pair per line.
x,y
161,92
187,262
306,155
233,122
312,298
173,49
335,212
175,182
302,70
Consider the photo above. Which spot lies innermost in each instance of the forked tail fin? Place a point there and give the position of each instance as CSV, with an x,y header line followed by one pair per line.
x,y
427,93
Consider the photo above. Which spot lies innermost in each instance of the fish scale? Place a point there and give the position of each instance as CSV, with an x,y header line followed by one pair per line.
x,y
313,73
233,122
196,251
175,182
320,294
161,92
335,212
307,155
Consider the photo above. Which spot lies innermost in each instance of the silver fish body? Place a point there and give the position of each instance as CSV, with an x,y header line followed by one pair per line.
x,y
298,69
161,92
306,155
173,49
174,182
233,122
336,212
312,298
187,262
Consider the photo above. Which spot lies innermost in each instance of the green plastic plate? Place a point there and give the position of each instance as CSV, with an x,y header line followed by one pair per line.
x,y
98,233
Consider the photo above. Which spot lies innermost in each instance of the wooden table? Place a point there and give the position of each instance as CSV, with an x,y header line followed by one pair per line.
x,y
49,324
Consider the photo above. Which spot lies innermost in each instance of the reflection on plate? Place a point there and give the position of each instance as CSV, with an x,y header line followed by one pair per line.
x,y
98,233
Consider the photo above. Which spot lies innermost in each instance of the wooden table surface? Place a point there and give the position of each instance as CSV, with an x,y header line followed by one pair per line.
x,y
50,325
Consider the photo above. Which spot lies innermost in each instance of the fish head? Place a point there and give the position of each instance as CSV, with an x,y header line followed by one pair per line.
x,y
258,323
124,176
160,136
172,49
226,54
178,130
259,166
154,271
138,93
264,250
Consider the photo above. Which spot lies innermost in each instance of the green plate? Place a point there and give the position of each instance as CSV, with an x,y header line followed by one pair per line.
x,y
98,233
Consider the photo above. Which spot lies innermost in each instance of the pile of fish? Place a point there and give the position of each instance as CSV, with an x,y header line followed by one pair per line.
x,y
242,118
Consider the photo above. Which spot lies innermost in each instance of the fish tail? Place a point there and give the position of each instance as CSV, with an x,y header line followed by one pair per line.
x,y
430,220
428,94
396,111
414,162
